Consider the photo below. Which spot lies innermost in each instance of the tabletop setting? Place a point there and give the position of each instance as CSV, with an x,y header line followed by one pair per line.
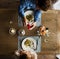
x,y
30,32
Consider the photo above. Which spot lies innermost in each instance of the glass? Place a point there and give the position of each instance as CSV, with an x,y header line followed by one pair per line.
x,y
21,32
12,31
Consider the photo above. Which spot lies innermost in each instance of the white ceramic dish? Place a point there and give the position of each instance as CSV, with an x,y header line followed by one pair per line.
x,y
29,12
28,48
12,31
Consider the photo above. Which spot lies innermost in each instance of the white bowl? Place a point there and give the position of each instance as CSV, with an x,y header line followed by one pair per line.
x,y
27,48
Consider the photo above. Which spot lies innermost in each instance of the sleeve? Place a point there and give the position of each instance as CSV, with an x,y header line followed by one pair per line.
x,y
21,7
37,15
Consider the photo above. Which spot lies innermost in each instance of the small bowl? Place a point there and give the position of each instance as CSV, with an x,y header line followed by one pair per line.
x,y
27,13
21,32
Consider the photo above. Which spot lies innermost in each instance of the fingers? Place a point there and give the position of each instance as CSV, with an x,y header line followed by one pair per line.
x,y
17,53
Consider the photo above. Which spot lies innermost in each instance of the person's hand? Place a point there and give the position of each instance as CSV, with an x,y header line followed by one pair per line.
x,y
17,53
30,55
33,26
33,55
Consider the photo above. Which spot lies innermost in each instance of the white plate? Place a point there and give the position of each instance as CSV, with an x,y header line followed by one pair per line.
x,y
27,13
28,48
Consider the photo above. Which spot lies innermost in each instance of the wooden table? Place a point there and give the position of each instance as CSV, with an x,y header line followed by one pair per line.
x,y
9,44
50,44
29,32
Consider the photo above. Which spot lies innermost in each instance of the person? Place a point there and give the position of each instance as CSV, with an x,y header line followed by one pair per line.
x,y
26,54
36,6
29,5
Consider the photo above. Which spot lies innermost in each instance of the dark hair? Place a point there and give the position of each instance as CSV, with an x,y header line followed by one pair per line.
x,y
45,4
23,56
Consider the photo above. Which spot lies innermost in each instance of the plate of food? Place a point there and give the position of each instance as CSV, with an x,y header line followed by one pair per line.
x,y
29,16
29,44
29,19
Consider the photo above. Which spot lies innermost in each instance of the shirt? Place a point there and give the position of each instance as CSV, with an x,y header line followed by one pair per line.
x,y
29,4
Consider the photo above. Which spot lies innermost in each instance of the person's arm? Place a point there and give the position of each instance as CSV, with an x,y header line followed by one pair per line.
x,y
21,10
37,15
34,55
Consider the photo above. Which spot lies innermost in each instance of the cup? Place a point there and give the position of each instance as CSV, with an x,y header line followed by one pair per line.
x,y
12,31
21,32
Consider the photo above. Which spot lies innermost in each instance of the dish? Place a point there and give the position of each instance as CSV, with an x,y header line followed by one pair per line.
x,y
29,16
29,44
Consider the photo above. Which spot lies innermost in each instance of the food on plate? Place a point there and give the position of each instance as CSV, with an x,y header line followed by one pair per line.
x,y
29,17
29,43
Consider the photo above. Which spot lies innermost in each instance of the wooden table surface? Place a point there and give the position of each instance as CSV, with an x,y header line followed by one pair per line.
x,y
32,32
9,43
